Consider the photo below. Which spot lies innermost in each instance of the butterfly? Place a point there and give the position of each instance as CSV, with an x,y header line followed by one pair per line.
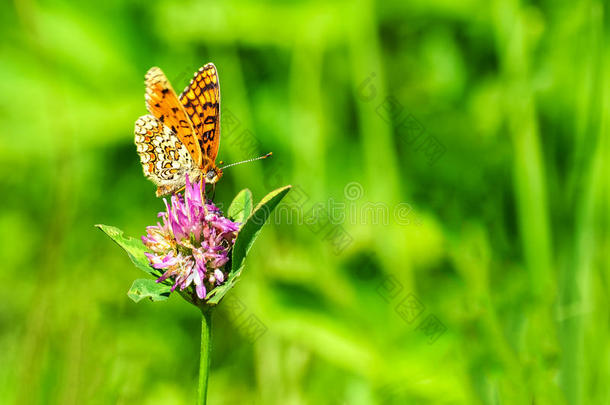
x,y
181,134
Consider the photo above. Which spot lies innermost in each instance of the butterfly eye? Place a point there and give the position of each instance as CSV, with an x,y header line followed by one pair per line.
x,y
210,175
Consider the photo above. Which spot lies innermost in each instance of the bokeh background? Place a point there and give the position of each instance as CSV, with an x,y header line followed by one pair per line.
x,y
465,141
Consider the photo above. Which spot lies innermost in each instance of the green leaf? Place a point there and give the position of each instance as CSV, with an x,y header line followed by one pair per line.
x,y
250,230
241,207
147,288
245,238
134,248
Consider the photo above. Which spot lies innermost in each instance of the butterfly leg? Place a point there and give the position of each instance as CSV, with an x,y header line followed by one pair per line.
x,y
210,191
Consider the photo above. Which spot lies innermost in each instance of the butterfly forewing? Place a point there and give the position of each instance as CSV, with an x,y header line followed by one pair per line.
x,y
163,104
164,158
201,101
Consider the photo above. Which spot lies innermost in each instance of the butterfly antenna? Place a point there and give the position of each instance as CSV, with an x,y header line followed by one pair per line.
x,y
249,160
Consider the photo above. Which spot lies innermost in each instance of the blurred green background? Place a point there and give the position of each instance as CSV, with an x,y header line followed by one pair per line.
x,y
486,124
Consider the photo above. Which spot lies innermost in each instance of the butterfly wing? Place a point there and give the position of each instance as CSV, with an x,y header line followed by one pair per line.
x,y
201,101
164,158
163,104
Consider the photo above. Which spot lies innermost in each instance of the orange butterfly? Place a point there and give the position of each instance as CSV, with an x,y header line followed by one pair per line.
x,y
181,135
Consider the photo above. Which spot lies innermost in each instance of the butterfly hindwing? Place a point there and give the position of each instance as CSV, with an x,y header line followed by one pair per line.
x,y
201,101
163,104
164,158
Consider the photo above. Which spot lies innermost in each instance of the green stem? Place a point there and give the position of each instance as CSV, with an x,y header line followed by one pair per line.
x,y
204,359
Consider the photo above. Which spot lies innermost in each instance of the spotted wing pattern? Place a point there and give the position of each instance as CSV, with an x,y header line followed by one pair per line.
x,y
164,158
163,104
201,101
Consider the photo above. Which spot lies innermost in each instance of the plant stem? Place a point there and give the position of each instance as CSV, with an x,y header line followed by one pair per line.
x,y
204,359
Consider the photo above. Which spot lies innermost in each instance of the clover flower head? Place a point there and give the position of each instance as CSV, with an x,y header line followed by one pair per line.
x,y
193,242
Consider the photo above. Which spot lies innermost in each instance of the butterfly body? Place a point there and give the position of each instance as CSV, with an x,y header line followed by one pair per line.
x,y
181,134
